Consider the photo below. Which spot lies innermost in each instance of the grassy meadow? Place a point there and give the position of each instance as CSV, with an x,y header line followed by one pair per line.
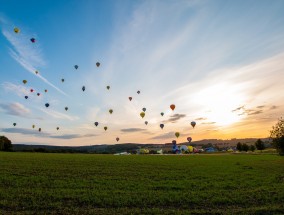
x,y
39,183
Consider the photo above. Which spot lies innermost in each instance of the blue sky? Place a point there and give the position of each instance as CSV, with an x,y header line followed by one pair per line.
x,y
220,62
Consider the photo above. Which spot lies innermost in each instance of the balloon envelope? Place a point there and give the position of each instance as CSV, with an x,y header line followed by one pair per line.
x,y
189,139
26,97
25,81
98,64
162,126
14,124
162,114
66,108
45,91
62,79
36,72
193,124
138,91
177,134
110,111
146,122
33,40
31,90
57,128
144,109
83,88
33,126
108,87
76,66
39,129
174,142
130,98
142,114
105,128
96,123
38,94
117,139
172,106
16,30
46,105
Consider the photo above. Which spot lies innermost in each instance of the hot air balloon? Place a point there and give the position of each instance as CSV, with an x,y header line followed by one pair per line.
x,y
26,97
193,124
76,66
16,30
138,92
33,126
108,87
98,64
14,124
162,114
162,126
36,72
83,88
45,91
66,108
62,80
25,81
105,128
46,105
189,139
33,40
146,122
130,98
117,139
142,114
38,94
96,123
174,142
31,90
110,111
57,128
172,106
177,134
39,129
144,109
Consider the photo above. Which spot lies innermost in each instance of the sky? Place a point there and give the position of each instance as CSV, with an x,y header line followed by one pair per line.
x,y
220,62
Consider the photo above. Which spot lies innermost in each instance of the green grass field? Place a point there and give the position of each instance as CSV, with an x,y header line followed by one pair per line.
x,y
38,183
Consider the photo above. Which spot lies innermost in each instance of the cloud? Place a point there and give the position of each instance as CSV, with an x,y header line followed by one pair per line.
x,y
238,108
260,106
201,118
164,136
19,90
253,112
273,107
28,55
174,118
15,109
208,123
129,130
35,132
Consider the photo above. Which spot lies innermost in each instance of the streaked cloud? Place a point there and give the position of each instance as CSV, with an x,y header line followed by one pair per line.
x,y
58,115
15,109
164,136
129,130
174,118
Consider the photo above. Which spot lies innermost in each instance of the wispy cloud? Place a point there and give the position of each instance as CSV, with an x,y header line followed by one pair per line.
x,y
15,109
72,136
164,136
17,89
28,55
201,118
58,115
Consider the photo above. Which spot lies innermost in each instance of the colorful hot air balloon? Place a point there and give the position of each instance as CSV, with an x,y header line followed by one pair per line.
x,y
66,108
62,80
96,123
26,97
83,88
142,114
38,94
98,64
177,134
57,128
46,105
110,111
39,129
130,98
193,124
14,124
36,72
144,109
138,92
189,139
45,91
33,40
105,128
33,126
172,106
117,139
25,81
108,87
16,30
76,66
162,114
31,90
162,126
146,122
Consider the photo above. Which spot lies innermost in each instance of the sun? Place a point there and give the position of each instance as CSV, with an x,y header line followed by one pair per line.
x,y
220,101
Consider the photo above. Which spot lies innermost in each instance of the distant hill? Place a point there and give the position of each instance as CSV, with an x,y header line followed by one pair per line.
x,y
130,147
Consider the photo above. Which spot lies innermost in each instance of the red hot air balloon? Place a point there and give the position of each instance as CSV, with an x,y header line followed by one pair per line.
x,y
172,106
189,139
117,139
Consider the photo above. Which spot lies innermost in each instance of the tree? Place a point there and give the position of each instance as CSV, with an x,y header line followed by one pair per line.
x,y
239,146
245,147
252,148
277,136
5,144
259,144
